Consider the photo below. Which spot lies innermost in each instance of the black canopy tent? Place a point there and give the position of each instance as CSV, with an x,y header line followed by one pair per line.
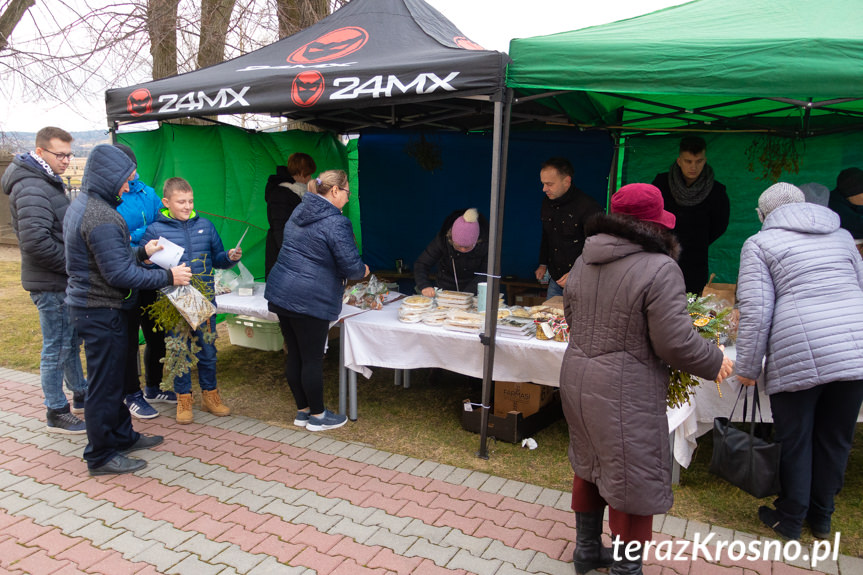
x,y
392,64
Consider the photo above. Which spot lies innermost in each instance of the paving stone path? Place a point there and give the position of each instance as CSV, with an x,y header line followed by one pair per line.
x,y
235,495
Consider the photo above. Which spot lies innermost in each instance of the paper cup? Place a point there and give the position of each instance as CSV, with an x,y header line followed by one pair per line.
x,y
480,295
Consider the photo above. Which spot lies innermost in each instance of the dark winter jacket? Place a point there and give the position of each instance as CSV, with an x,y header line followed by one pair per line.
x,y
104,270
850,215
455,270
281,203
697,227
626,308
800,293
318,254
202,246
563,230
38,203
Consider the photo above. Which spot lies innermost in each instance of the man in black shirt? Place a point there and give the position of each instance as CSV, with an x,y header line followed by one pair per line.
x,y
563,213
701,206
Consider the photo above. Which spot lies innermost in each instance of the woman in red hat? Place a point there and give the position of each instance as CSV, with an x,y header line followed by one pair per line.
x,y
625,303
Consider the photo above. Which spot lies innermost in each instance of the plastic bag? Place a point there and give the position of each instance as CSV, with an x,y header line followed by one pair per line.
x,y
366,295
225,281
192,305
246,279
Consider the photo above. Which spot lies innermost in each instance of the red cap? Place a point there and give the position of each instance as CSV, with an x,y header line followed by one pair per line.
x,y
644,202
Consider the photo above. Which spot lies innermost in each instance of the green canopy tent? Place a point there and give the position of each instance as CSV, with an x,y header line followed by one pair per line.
x,y
789,67
745,74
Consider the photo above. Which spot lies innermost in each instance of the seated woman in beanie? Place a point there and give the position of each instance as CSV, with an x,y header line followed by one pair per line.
x,y
625,302
459,251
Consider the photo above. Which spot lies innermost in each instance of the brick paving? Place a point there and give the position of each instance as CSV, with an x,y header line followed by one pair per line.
x,y
227,496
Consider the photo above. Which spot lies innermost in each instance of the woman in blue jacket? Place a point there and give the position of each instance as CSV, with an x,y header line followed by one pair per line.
x,y
305,289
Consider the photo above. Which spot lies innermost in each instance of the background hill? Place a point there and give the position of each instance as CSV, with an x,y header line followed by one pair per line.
x,y
17,142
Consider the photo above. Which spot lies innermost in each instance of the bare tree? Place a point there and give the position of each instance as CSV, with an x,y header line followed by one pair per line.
x,y
10,18
162,29
215,18
294,15
70,50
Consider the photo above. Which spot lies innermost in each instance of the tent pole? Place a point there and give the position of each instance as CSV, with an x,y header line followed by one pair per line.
x,y
615,168
500,140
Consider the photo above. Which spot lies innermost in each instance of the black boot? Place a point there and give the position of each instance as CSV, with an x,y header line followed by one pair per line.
x,y
630,562
589,553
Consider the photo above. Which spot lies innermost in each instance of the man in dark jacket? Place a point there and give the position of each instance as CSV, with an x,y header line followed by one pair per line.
x,y
847,201
104,273
701,206
459,252
37,199
563,213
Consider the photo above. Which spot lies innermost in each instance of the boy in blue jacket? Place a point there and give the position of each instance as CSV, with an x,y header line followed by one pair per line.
x,y
203,250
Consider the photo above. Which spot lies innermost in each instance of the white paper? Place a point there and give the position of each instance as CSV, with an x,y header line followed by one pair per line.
x,y
168,257
241,238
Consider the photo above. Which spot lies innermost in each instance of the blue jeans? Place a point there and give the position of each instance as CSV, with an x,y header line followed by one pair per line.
x,y
60,350
553,289
206,362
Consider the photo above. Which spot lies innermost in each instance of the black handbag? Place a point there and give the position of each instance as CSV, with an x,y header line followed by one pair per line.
x,y
746,457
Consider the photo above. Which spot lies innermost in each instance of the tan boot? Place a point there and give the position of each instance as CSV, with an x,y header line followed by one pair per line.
x,y
212,402
184,408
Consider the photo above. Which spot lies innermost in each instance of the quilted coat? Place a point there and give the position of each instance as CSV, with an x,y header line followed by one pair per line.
x,y
318,254
626,308
103,268
202,247
800,293
38,203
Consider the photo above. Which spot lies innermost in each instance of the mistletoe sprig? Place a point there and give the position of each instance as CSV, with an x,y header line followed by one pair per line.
x,y
180,347
711,321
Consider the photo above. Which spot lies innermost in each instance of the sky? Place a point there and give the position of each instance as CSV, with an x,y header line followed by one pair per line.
x,y
490,23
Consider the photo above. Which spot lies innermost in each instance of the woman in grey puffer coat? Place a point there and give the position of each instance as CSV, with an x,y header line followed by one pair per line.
x,y
800,292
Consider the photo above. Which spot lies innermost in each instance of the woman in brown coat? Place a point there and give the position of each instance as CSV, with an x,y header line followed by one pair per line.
x,y
625,303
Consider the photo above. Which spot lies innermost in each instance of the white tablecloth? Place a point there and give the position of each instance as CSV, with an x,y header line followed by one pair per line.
x,y
379,339
254,305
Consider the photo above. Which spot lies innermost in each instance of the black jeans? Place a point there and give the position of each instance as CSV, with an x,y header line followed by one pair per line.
x,y
816,428
111,349
305,337
154,351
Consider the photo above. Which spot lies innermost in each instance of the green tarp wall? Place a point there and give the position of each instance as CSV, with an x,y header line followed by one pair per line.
x,y
820,160
228,169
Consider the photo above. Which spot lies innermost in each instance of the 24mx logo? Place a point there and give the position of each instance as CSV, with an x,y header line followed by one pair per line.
x,y
194,101
383,87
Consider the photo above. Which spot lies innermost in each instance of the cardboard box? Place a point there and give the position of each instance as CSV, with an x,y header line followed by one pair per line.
x,y
556,301
724,293
515,426
248,331
527,398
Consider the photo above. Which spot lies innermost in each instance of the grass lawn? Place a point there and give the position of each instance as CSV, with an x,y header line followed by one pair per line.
x,y
424,422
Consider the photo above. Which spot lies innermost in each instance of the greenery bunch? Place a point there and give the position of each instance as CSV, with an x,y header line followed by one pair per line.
x,y
180,346
711,321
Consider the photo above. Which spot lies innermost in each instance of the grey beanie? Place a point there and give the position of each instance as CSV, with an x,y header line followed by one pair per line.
x,y
778,195
816,193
